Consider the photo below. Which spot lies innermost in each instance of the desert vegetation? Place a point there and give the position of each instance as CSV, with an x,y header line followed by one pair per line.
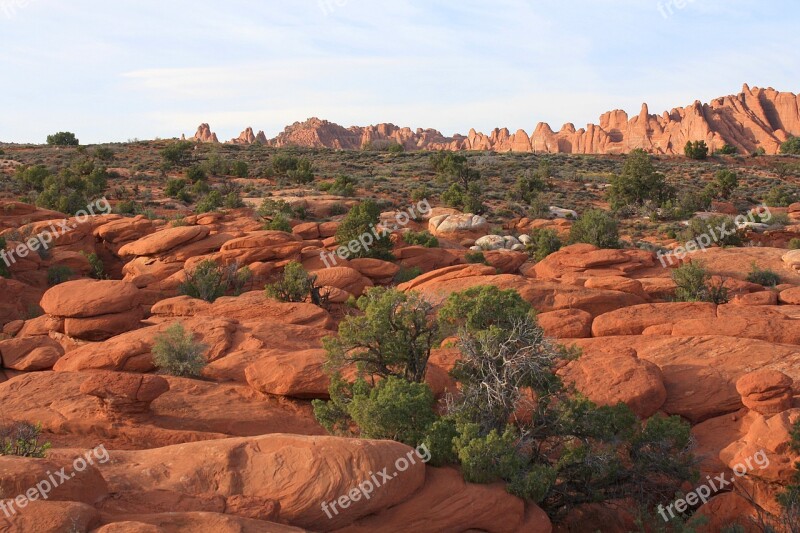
x,y
524,331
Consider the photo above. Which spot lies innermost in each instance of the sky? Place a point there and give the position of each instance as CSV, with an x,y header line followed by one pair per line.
x,y
117,70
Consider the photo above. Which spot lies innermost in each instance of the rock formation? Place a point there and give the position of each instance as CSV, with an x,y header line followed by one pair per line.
x,y
248,137
205,135
239,450
753,119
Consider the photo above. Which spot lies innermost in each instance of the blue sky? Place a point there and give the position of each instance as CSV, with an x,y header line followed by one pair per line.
x,y
111,71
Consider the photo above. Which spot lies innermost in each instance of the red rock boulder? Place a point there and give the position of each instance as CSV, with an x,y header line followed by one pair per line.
x,y
766,391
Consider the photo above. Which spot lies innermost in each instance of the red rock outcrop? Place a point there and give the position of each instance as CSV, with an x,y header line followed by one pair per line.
x,y
205,135
248,137
298,472
490,508
767,392
94,310
752,119
124,394
610,378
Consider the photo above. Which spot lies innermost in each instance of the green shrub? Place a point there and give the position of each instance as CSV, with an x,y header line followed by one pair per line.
x,y
388,346
97,269
393,337
210,202
175,188
341,186
295,285
21,439
488,458
283,163
420,193
177,353
217,165
4,270
209,281
407,274
58,274
62,138
279,222
780,197
201,188
383,145
240,169
778,219
176,153
764,277
31,177
794,244
563,448
395,148
639,183
505,356
465,191
711,227
68,190
338,209
696,150
421,238
531,183
688,203
270,208
694,285
232,200
467,200
454,167
482,307
304,173
440,439
476,258
728,149
691,280
543,243
726,182
789,498
362,220
394,409
196,173
104,153
791,146
595,227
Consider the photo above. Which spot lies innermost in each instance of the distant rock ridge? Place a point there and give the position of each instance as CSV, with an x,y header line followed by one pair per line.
x,y
753,119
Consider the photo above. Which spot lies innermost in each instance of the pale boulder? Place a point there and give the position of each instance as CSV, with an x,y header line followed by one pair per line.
x,y
458,225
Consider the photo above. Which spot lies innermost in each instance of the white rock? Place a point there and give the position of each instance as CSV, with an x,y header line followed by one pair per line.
x,y
754,226
563,213
456,223
510,241
525,239
491,242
